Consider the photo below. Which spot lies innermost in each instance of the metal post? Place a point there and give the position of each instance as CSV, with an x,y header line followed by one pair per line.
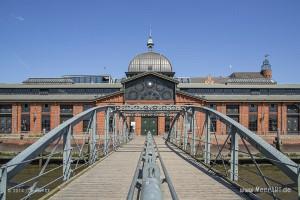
x,y
234,160
3,186
207,140
185,130
175,132
124,131
67,158
114,131
298,182
93,139
193,144
106,132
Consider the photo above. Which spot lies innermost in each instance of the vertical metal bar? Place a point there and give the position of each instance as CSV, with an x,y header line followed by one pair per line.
x,y
234,159
193,146
185,130
175,132
207,140
67,159
299,182
3,186
124,131
114,131
93,140
106,132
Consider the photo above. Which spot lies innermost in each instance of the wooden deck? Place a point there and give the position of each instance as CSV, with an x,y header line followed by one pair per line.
x,y
191,182
111,178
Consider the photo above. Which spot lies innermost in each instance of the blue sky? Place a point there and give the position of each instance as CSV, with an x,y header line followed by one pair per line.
x,y
50,38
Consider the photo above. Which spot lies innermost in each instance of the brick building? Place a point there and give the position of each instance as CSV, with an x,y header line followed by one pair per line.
x,y
253,98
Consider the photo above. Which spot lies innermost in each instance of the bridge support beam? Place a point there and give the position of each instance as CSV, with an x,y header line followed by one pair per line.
x,y
185,130
93,140
193,142
67,157
106,132
176,132
298,181
207,140
3,184
114,130
234,159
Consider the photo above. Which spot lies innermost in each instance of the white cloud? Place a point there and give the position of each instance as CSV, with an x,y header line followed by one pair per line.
x,y
20,18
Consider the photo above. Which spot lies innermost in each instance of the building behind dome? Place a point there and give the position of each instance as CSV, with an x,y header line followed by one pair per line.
x,y
150,62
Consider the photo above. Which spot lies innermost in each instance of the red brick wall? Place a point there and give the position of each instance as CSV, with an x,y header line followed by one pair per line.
x,y
138,125
221,127
100,123
284,118
78,128
16,118
161,125
35,118
244,114
54,115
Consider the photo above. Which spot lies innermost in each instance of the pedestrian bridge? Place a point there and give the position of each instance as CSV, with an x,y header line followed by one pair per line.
x,y
188,162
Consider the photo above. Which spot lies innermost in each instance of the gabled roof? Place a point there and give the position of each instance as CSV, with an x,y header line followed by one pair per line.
x,y
246,75
150,73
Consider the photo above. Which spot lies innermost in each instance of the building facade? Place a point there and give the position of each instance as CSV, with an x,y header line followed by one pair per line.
x,y
252,98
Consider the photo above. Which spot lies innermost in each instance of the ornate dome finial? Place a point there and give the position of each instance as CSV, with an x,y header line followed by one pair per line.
x,y
150,43
266,63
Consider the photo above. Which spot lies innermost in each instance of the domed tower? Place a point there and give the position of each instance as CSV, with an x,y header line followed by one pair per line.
x,y
266,69
150,62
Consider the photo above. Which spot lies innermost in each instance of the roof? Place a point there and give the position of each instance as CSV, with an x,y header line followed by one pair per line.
x,y
150,61
48,81
246,75
49,98
150,73
253,98
203,85
76,85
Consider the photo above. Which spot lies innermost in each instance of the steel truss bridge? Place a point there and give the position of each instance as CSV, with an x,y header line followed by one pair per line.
x,y
189,162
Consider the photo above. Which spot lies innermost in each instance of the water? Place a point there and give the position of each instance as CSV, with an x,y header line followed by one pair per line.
x,y
250,180
31,171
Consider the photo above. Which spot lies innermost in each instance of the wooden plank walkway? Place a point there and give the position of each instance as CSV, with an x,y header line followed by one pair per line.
x,y
111,178
190,182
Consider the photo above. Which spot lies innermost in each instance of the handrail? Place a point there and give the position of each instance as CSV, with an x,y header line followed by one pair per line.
x,y
64,132
275,156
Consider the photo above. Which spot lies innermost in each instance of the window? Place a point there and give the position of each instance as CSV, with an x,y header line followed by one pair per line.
x,y
5,118
233,111
293,119
213,120
252,124
85,125
25,122
167,123
273,121
25,107
253,108
87,106
45,123
66,112
45,108
110,124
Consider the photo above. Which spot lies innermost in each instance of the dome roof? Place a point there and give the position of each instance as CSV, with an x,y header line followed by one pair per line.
x,y
150,61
